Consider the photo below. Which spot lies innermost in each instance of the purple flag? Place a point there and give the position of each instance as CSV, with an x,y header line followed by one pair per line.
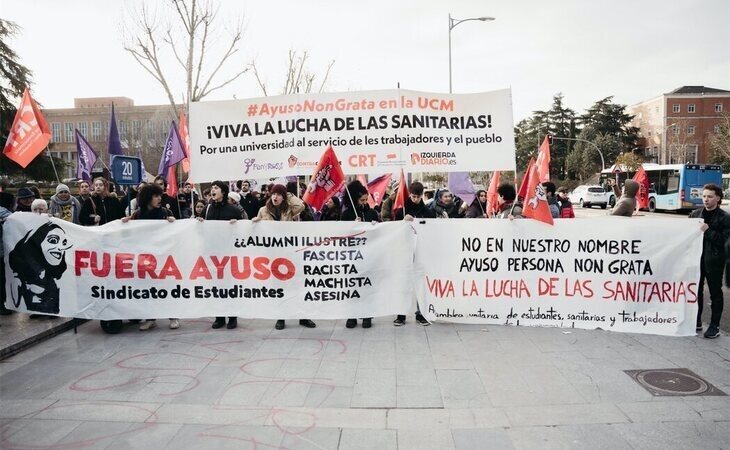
x,y
460,184
115,144
85,157
173,152
141,160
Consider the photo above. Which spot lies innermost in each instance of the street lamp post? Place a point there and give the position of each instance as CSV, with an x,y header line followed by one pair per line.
x,y
452,24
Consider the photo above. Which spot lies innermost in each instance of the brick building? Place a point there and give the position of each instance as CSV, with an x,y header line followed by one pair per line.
x,y
675,127
142,129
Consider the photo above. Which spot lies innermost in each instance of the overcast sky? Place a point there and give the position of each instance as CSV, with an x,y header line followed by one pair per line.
x,y
634,50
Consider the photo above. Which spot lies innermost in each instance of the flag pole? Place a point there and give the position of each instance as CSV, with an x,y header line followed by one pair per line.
x,y
352,202
53,165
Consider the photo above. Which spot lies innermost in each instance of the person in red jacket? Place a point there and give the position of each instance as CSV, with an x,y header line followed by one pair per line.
x,y
566,207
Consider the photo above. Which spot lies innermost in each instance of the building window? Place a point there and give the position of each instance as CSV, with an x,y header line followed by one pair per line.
x,y
691,108
675,129
122,130
675,108
56,132
96,131
84,129
692,154
718,107
163,130
151,129
716,129
690,129
69,132
137,130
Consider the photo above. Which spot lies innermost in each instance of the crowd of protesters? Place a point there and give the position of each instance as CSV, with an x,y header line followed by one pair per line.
x,y
99,203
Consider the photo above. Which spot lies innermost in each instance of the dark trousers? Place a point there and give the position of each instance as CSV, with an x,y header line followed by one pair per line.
x,y
713,275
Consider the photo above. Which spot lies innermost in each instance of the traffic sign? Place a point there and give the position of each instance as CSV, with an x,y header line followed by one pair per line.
x,y
126,169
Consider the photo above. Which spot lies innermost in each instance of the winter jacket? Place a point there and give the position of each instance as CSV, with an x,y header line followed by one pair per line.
x,y
366,214
554,206
171,204
108,208
250,204
627,204
152,214
4,214
386,208
566,209
506,209
296,206
450,211
715,238
66,210
476,210
221,211
418,211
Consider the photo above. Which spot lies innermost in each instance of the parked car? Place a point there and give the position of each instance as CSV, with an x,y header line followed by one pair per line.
x,y
589,195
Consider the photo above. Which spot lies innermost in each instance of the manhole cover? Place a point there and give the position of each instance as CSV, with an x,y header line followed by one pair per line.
x,y
673,382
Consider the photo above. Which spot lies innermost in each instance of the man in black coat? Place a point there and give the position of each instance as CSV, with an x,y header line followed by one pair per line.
x,y
716,234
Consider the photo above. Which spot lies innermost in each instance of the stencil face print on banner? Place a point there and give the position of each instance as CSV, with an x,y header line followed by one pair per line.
x,y
37,261
539,196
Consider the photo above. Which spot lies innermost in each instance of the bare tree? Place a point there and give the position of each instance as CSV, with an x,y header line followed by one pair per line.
x,y
189,37
679,142
298,76
719,142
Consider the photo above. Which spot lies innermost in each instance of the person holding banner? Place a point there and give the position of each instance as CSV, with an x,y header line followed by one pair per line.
x,y
64,206
100,207
149,201
220,209
478,207
84,193
282,206
167,201
357,195
332,210
23,199
414,208
447,206
716,231
508,209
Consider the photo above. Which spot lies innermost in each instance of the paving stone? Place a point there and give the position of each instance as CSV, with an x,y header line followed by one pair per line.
x,y
368,439
493,439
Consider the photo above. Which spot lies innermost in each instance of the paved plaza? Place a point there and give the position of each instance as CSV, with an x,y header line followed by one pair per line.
x,y
414,387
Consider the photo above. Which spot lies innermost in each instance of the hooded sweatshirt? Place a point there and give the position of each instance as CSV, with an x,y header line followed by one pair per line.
x,y
627,204
67,210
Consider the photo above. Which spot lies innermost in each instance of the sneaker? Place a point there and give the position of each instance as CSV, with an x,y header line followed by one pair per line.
x,y
367,323
712,332
307,323
232,323
280,324
422,320
219,322
174,324
699,326
351,323
149,324
399,321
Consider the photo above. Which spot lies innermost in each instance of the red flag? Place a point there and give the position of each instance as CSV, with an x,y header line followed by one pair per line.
x,y
643,194
543,161
185,138
536,205
526,179
327,180
492,196
377,187
401,196
29,134
171,182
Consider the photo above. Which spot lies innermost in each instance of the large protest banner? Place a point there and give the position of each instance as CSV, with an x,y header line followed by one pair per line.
x,y
154,269
635,275
372,132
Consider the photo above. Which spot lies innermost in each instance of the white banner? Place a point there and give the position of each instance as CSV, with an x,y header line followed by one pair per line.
x,y
372,132
186,269
634,275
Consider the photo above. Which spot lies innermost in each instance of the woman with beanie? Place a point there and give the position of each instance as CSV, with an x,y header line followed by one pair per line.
x,y
220,209
283,207
64,206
